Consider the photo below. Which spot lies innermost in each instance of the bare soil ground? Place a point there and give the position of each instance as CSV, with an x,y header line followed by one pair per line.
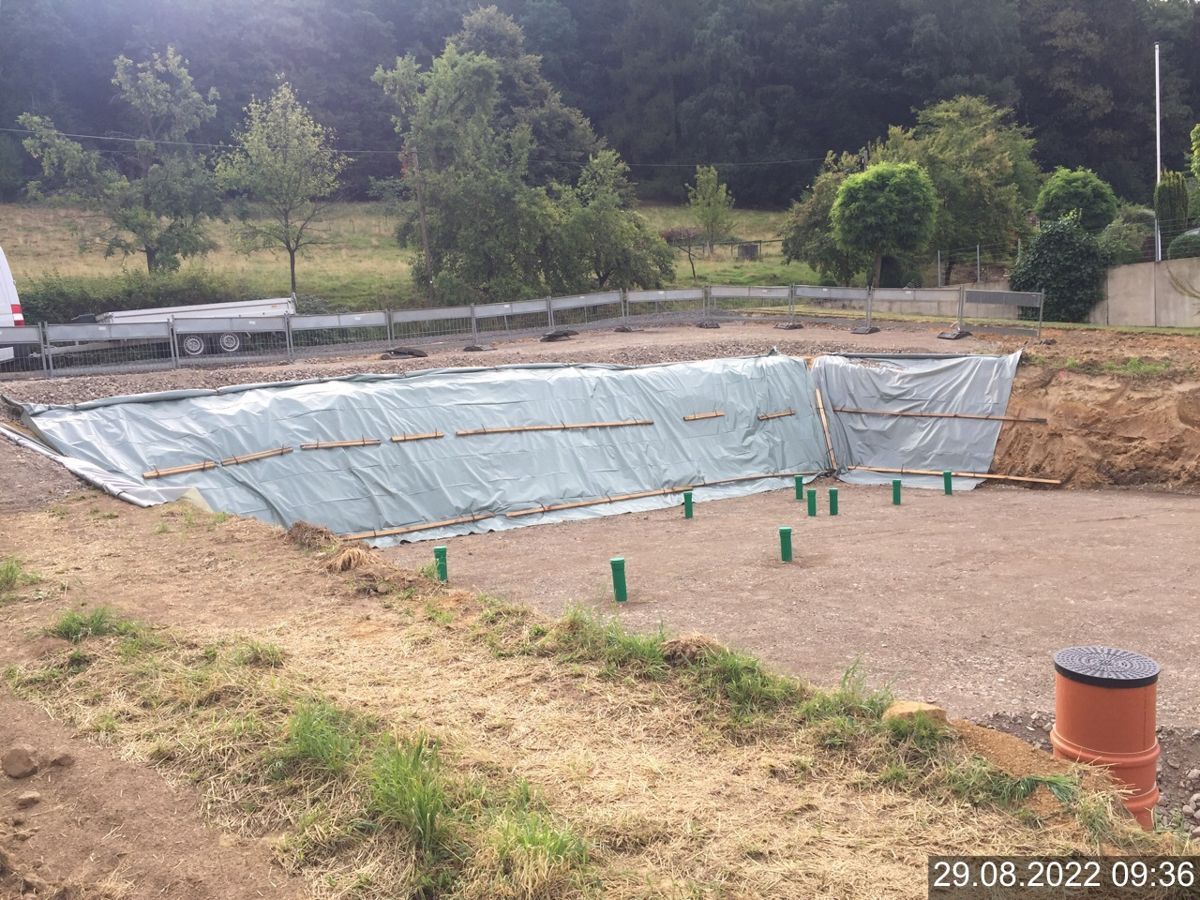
x,y
957,600
670,807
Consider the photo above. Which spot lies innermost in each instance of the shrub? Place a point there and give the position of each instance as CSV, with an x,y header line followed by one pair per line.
x,y
1185,246
1077,190
1064,262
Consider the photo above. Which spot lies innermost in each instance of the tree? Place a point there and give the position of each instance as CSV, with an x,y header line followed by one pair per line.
x,y
1171,206
1068,190
489,229
711,204
981,166
888,210
285,166
1196,151
808,232
1064,261
602,242
157,193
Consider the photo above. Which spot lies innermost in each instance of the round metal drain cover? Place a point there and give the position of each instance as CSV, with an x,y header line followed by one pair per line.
x,y
1106,667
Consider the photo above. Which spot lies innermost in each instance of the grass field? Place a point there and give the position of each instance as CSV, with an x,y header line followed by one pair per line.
x,y
359,265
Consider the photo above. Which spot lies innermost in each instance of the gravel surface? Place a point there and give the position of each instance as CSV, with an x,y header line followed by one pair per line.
x,y
659,345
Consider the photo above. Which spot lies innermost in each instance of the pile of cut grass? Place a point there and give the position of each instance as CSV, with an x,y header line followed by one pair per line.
x,y
363,811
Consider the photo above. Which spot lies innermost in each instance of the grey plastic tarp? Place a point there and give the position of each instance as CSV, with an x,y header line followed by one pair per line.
x,y
112,442
367,488
979,385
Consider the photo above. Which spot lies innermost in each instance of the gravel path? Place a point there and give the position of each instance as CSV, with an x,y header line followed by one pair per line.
x,y
658,345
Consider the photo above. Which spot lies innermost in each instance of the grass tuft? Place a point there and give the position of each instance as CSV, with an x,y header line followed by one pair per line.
x,y
258,653
14,576
75,626
321,737
406,790
527,855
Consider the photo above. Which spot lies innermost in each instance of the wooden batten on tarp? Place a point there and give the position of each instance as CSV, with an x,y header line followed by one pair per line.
x,y
573,426
412,529
579,504
825,428
252,457
1030,420
426,436
696,417
180,470
329,445
985,475
763,417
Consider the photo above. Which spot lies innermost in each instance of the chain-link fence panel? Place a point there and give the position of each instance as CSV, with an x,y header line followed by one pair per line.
x,y
587,309
212,341
339,333
21,351
725,300
85,349
672,304
439,323
515,317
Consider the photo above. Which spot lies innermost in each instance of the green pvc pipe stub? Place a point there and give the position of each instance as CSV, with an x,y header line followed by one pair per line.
x,y
439,559
896,491
785,543
948,482
620,593
833,501
687,504
812,501
799,487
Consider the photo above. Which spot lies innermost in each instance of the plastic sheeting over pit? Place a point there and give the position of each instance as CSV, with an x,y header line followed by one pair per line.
x,y
391,485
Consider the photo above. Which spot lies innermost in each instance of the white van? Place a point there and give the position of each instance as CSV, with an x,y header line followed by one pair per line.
x,y
10,308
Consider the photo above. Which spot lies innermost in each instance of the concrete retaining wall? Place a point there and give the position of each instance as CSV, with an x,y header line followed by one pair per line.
x,y
1166,294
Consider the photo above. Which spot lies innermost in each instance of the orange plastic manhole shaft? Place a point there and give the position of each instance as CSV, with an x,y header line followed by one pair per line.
x,y
1104,715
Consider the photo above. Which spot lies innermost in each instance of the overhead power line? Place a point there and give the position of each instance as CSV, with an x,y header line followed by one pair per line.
x,y
362,151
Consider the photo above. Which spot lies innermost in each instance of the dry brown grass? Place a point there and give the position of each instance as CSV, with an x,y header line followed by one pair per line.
x,y
347,557
673,791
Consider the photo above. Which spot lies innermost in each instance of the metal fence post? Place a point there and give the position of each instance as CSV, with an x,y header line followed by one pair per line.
x,y
45,347
706,301
939,268
46,343
1041,311
387,317
962,305
550,312
287,333
625,306
174,343
978,265
792,303
474,327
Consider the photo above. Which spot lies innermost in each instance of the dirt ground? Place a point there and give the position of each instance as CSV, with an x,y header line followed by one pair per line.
x,y
957,600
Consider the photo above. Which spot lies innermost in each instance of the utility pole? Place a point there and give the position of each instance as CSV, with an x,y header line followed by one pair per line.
x,y
424,225
1158,150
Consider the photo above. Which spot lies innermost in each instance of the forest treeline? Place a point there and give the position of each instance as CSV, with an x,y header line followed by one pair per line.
x,y
762,88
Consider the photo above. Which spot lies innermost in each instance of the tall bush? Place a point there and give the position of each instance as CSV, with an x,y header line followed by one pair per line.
x,y
1077,190
1065,262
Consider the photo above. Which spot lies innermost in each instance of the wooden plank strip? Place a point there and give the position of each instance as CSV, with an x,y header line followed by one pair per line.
x,y
986,475
576,426
251,457
578,504
179,470
776,415
329,445
427,436
936,415
696,417
825,428
410,529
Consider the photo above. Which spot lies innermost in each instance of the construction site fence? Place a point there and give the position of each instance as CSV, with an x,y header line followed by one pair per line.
x,y
92,348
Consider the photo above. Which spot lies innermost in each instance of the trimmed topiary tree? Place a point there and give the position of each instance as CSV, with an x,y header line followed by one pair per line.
x,y
1171,206
1185,246
888,210
1063,261
1068,190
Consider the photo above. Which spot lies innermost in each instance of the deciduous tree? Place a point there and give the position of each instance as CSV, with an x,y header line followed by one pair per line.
x,y
283,170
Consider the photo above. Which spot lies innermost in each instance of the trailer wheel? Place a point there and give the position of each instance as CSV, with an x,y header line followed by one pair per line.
x,y
192,345
229,342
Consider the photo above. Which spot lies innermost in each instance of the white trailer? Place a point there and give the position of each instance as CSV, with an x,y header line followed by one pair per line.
x,y
10,313
227,341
